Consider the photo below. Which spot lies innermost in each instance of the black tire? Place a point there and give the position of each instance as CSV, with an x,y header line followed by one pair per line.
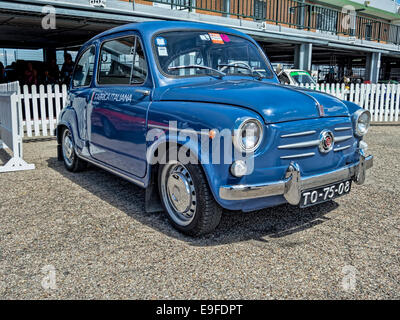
x,y
71,161
207,213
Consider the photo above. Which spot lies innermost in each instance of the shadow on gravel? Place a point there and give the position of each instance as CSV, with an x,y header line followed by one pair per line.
x,y
262,225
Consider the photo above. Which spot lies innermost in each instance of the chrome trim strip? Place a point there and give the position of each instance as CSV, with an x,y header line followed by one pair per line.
x,y
177,129
342,148
344,138
299,134
343,128
292,186
303,155
306,144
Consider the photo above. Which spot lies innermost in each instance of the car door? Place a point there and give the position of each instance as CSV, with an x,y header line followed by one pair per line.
x,y
81,92
119,105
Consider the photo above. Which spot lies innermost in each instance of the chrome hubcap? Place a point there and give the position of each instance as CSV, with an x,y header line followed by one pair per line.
x,y
68,148
178,193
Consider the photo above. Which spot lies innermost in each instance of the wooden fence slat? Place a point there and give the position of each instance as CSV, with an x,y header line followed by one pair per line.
x,y
396,113
382,103
376,109
43,116
357,94
36,126
367,97
362,95
27,108
57,95
50,97
391,102
352,92
64,96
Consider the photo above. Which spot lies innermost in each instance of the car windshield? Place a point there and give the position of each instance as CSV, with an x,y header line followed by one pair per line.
x,y
196,53
302,77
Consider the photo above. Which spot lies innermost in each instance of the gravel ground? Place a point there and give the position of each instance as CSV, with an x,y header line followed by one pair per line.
x,y
90,231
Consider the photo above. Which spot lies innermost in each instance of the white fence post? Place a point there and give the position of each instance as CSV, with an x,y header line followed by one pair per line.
x,y
11,133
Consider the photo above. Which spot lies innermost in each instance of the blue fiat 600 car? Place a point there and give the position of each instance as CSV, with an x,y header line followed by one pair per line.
x,y
195,114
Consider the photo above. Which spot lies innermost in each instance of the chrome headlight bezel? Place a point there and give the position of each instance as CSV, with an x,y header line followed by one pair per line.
x,y
357,116
237,137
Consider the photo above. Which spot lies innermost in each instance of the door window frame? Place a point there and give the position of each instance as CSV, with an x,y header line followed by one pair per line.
x,y
134,35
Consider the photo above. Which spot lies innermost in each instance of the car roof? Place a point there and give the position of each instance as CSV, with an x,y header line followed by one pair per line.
x,y
149,28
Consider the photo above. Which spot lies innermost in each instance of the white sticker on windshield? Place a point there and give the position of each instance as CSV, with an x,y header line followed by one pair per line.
x,y
161,41
162,51
205,37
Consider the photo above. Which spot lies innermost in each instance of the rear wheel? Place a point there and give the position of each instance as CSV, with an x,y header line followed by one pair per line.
x,y
187,198
71,161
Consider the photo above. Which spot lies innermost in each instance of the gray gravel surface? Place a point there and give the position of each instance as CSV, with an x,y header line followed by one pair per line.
x,y
90,231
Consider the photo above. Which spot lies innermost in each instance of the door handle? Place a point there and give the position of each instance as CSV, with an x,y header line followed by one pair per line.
x,y
143,92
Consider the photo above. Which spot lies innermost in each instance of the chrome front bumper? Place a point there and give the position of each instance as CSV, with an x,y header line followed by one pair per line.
x,y
293,185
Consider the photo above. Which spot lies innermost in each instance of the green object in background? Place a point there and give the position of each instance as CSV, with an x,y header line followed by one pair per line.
x,y
299,73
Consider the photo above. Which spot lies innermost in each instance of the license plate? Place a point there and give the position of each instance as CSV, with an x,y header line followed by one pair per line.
x,y
323,194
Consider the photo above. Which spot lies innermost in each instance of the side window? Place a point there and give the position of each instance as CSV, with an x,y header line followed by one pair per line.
x,y
83,73
122,62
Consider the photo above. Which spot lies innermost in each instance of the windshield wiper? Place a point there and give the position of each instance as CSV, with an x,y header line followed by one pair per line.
x,y
242,65
194,66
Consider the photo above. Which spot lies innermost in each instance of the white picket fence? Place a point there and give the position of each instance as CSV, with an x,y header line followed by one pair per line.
x,y
40,107
382,100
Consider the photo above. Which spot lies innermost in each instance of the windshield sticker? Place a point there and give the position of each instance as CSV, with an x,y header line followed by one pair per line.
x,y
205,37
216,38
162,51
160,41
225,38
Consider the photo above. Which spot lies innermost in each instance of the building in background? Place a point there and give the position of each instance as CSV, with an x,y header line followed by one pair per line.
x,y
335,38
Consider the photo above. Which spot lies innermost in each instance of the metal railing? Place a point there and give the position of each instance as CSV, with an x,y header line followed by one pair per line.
x,y
295,14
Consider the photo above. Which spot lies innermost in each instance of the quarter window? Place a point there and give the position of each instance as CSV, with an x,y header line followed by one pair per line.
x,y
83,73
122,62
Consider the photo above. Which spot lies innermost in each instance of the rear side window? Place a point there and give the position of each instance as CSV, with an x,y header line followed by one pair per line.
x,y
122,62
83,73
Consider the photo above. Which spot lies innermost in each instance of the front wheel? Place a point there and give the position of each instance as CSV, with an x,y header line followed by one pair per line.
x,y
71,161
187,198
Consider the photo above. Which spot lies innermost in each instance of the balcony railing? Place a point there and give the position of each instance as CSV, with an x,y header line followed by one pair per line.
x,y
295,14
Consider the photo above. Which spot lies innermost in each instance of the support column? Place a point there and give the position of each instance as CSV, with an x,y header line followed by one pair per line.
x,y
303,56
373,66
48,54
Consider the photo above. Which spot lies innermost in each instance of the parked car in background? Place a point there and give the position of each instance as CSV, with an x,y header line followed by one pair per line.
x,y
183,110
295,77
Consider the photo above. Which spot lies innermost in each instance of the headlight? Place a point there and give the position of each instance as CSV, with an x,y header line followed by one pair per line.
x,y
362,121
248,135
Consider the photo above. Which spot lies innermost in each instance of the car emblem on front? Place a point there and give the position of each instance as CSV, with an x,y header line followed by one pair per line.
x,y
327,141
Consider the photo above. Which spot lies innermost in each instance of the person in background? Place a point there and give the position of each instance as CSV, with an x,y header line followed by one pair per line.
x,y
67,69
31,75
3,75
52,73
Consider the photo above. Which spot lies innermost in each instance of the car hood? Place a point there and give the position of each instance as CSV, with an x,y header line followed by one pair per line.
x,y
274,102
